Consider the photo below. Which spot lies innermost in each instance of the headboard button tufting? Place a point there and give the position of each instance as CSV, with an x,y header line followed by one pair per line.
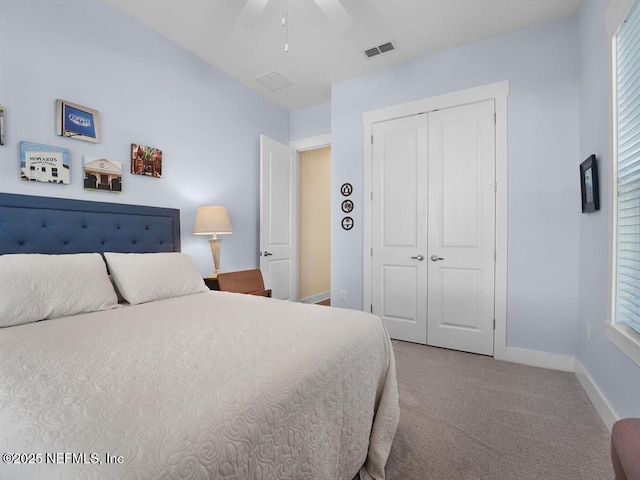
x,y
39,225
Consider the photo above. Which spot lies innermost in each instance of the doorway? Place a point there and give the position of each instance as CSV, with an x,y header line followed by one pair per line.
x,y
314,225
279,217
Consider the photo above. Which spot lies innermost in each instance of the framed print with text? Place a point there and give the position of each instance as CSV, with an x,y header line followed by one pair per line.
x,y
76,121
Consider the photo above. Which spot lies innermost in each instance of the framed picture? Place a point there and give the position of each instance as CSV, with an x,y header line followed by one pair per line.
x,y
76,121
589,185
44,163
102,174
146,161
1,125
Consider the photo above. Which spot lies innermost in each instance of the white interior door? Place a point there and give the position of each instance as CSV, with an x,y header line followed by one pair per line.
x,y
279,218
462,228
434,227
400,227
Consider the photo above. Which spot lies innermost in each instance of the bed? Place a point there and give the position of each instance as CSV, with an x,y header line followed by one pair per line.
x,y
174,384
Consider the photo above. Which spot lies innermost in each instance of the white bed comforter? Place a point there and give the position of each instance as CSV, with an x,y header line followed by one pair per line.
x,y
214,385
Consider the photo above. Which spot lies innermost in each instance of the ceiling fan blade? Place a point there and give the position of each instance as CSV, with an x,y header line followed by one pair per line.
x,y
335,12
252,9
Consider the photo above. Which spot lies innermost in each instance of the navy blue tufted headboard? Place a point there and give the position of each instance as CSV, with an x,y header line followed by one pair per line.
x,y
56,225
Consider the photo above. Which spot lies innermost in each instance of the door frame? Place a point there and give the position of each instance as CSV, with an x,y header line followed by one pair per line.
x,y
497,92
302,145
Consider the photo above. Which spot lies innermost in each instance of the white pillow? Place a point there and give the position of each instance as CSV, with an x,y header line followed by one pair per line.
x,y
36,287
144,277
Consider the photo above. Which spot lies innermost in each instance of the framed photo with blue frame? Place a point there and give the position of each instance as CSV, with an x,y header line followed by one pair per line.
x,y
76,121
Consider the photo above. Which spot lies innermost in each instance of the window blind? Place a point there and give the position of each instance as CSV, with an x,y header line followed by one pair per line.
x,y
628,168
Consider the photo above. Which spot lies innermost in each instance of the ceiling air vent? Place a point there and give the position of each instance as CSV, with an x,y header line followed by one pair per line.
x,y
385,47
372,52
274,81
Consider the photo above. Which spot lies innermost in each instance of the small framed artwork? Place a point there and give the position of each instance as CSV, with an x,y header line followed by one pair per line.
x,y
1,125
44,163
102,174
76,121
589,185
347,223
146,160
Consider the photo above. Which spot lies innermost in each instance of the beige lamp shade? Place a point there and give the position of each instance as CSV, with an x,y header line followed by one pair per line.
x,y
212,220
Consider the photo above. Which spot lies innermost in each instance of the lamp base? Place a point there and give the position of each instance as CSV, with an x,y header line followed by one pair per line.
x,y
215,253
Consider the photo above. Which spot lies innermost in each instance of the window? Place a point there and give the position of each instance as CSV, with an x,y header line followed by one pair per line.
x,y
624,329
627,139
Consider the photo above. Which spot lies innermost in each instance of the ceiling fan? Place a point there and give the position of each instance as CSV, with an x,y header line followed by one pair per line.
x,y
332,9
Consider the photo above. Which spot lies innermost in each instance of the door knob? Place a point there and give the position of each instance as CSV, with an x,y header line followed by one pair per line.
x,y
267,254
418,257
435,258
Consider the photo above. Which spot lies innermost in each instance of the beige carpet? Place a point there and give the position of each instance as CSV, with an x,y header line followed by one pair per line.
x,y
465,416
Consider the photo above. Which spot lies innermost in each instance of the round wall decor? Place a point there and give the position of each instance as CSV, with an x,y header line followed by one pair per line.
x,y
346,189
347,223
347,206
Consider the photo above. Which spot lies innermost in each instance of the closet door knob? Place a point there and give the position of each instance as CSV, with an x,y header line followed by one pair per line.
x,y
418,257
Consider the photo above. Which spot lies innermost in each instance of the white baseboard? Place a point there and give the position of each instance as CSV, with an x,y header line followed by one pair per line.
x,y
316,298
599,401
565,363
554,361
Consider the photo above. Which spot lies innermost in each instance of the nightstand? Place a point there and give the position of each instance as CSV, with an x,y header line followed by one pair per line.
x,y
245,281
211,281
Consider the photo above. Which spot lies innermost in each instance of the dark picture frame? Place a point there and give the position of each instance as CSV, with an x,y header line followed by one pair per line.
x,y
76,121
1,125
589,185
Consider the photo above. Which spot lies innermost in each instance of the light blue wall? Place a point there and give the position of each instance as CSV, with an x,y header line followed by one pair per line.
x,y
147,91
542,65
612,371
311,122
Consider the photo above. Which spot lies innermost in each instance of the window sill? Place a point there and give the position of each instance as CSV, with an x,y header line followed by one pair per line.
x,y
626,340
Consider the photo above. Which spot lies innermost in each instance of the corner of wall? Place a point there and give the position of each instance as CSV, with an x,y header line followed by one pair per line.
x,y
603,407
534,358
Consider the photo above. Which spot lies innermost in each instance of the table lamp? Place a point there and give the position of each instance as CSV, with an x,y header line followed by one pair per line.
x,y
213,220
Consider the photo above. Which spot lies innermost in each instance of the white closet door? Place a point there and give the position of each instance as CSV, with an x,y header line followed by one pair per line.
x,y
399,227
434,227
462,228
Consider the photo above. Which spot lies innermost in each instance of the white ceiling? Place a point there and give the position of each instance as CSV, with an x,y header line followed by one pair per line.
x,y
327,38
